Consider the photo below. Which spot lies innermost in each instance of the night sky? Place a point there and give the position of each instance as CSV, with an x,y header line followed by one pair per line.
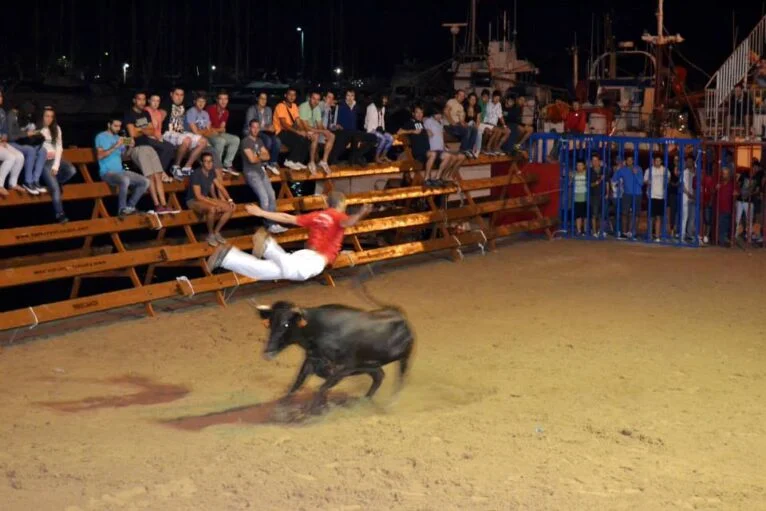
x,y
375,35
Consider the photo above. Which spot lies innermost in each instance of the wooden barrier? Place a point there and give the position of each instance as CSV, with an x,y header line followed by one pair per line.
x,y
90,262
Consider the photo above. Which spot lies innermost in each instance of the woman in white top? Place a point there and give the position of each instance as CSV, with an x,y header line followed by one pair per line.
x,y
56,171
375,123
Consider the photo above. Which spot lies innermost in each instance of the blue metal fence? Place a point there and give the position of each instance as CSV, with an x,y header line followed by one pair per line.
x,y
601,195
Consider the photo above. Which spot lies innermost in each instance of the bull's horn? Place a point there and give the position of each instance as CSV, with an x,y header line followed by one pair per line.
x,y
263,307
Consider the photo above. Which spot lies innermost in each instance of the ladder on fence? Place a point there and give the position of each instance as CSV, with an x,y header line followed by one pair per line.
x,y
734,71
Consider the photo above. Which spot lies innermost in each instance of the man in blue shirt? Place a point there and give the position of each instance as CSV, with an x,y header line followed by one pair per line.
x,y
630,179
111,148
361,141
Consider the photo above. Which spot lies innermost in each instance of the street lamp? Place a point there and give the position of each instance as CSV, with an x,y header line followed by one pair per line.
x,y
338,72
212,68
299,29
125,67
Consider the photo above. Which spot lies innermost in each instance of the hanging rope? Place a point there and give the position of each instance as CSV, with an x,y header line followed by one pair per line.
x,y
185,280
234,289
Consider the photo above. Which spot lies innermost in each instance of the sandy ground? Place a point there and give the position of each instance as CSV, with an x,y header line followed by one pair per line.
x,y
564,375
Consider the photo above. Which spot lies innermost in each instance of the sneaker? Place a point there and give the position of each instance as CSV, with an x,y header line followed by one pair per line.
x,y
277,229
187,171
292,165
260,238
177,173
325,167
220,238
300,165
127,211
31,189
216,258
273,168
657,240
312,168
62,219
41,189
162,210
230,170
212,240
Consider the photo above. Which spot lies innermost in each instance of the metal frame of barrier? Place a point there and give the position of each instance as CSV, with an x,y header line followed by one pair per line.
x,y
684,226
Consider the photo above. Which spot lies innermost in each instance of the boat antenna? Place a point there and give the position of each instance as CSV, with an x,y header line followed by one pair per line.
x,y
514,22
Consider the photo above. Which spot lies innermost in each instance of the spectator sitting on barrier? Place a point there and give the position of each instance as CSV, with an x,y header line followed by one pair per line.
x,y
656,177
186,143
12,155
111,149
493,124
56,171
598,185
207,197
450,161
756,195
262,113
270,262
375,124
23,135
454,118
576,120
688,203
579,180
631,180
708,194
473,117
197,121
225,144
298,141
724,202
310,121
254,155
362,141
141,124
418,135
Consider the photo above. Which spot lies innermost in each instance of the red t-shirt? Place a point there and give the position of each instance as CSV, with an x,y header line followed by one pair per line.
x,y
576,121
708,187
726,197
217,117
325,231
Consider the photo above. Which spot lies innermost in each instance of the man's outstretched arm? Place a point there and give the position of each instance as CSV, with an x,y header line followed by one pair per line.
x,y
282,218
353,219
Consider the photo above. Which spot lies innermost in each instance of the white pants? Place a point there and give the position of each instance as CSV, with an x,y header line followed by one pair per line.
x,y
276,264
12,161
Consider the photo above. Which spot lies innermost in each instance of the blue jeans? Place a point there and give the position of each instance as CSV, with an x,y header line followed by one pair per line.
x,y
34,162
124,180
259,182
724,226
466,134
385,141
273,145
53,183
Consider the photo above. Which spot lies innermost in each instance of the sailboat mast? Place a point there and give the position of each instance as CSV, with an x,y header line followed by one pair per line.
x,y
472,35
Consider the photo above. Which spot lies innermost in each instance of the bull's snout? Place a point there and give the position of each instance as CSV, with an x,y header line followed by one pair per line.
x,y
269,355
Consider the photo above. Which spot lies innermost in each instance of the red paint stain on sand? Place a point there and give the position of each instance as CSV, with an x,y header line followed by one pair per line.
x,y
293,412
150,393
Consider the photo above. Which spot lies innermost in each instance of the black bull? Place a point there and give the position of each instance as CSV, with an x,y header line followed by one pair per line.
x,y
339,341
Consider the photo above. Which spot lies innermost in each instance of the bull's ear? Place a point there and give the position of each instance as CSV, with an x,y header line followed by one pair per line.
x,y
301,317
264,311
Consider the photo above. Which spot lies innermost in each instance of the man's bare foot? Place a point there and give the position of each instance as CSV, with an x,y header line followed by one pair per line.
x,y
260,238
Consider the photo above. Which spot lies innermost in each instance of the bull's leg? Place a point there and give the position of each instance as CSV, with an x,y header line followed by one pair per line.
x,y
329,383
306,369
377,374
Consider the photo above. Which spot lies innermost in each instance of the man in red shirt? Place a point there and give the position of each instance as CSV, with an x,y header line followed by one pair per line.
x,y
225,144
577,119
270,262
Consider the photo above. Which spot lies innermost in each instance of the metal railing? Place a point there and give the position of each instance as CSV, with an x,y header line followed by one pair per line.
x,y
733,72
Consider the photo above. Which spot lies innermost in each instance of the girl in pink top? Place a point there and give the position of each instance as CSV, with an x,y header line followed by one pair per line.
x,y
157,115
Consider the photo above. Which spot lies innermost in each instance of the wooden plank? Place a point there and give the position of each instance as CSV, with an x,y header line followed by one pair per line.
x,y
175,253
69,308
49,257
113,300
94,227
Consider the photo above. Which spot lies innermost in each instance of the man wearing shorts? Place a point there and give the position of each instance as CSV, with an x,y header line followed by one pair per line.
x,y
270,262
185,142
207,197
450,162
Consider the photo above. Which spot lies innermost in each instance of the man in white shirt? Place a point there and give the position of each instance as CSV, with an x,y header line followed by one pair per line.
x,y
688,202
454,114
656,177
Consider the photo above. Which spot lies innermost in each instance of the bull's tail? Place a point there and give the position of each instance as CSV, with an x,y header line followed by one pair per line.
x,y
361,284
404,364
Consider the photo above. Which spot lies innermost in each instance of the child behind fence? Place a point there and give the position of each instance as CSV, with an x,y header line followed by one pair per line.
x,y
580,184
